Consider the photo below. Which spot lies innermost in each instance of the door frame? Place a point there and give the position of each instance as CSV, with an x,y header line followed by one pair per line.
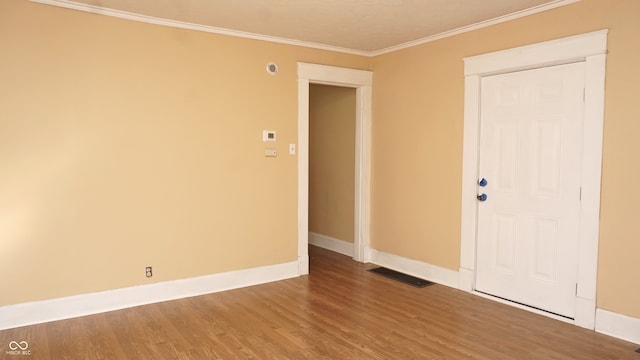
x,y
362,81
590,48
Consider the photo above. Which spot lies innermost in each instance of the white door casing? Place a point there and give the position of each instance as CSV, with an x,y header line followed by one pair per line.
x,y
361,80
591,49
531,153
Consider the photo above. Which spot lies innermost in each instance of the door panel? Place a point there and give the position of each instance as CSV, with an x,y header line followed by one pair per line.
x,y
530,153
505,242
545,243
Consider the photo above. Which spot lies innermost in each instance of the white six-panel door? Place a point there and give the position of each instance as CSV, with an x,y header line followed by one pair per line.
x,y
531,130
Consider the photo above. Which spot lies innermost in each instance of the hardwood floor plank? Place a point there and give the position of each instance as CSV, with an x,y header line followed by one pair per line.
x,y
339,311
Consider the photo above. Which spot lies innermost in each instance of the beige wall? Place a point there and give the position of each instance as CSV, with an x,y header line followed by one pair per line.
x,y
126,144
332,133
417,141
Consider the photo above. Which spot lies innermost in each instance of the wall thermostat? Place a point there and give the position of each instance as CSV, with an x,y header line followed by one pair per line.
x,y
269,135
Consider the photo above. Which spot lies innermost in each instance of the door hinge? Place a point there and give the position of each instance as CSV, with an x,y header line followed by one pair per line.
x,y
580,193
584,95
576,289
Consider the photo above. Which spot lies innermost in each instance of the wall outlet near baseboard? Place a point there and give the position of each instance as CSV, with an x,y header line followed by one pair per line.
x,y
149,272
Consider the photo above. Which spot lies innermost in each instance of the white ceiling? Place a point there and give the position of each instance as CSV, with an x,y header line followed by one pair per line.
x,y
359,26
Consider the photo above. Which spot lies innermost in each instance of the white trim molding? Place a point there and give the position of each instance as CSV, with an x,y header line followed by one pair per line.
x,y
74,5
618,325
93,9
12,316
590,48
416,268
331,243
479,25
362,81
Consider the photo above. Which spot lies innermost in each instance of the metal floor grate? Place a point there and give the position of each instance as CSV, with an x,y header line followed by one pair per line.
x,y
401,277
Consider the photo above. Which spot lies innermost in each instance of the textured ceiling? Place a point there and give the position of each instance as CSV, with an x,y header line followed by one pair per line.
x,y
358,25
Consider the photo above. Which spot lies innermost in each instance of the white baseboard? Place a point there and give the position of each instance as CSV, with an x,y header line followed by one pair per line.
x,y
333,244
12,316
465,282
416,268
606,322
585,315
618,325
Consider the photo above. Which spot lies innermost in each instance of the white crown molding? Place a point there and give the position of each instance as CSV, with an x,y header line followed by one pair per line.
x,y
197,27
36,312
247,35
476,26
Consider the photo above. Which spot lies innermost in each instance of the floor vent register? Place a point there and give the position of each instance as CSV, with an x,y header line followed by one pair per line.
x,y
401,277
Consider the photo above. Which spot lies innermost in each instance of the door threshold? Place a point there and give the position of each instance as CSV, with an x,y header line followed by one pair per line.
x,y
522,306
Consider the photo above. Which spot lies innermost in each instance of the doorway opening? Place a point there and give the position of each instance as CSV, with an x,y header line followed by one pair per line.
x,y
361,81
331,167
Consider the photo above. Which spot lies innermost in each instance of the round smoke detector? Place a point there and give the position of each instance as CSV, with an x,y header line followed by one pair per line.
x,y
272,68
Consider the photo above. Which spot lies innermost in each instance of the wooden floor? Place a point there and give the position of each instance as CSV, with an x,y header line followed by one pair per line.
x,y
339,311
